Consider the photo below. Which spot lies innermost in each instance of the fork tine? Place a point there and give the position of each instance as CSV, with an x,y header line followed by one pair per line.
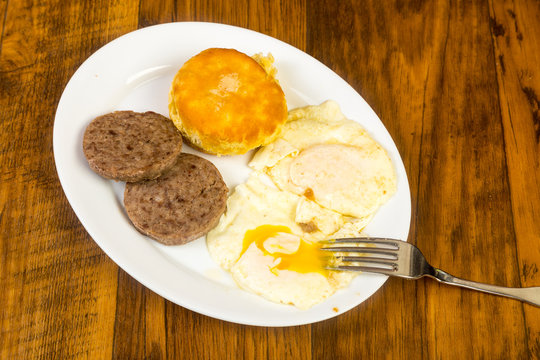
x,y
392,243
362,250
372,260
370,269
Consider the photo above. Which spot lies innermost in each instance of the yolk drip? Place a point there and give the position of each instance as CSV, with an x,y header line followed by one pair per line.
x,y
306,259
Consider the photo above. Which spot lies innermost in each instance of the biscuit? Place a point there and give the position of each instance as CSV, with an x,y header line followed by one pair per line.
x,y
225,103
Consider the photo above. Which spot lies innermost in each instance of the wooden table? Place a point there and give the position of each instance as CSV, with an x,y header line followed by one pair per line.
x,y
456,84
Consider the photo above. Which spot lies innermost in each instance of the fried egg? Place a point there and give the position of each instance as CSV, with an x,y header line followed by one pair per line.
x,y
331,160
324,177
259,241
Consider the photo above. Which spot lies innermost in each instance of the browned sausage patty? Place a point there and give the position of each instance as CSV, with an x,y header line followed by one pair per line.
x,y
131,146
181,205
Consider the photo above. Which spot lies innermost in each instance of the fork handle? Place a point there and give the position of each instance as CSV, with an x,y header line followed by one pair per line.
x,y
529,295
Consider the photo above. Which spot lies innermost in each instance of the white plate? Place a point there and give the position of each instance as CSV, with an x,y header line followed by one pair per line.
x,y
134,72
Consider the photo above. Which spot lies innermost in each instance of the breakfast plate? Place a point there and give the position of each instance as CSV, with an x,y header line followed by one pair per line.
x,y
134,72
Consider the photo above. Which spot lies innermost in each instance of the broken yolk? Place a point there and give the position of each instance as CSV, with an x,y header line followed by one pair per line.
x,y
305,259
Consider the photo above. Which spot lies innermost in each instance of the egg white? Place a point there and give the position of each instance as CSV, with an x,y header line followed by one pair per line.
x,y
330,178
334,158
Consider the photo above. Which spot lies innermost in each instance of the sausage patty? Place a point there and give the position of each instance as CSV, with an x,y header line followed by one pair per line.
x,y
181,205
131,146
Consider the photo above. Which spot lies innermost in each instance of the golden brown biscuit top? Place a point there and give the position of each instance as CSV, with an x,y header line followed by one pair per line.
x,y
225,96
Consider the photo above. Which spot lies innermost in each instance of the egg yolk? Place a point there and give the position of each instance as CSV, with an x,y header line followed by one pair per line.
x,y
305,258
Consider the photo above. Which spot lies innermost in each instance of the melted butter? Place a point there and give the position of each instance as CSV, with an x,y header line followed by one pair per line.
x,y
306,259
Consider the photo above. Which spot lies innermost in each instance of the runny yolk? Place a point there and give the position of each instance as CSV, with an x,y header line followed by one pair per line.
x,y
306,259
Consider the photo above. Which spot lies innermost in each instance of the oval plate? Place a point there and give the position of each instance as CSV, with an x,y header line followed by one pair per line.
x,y
134,72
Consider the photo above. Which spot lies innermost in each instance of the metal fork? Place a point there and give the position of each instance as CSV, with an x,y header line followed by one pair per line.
x,y
401,259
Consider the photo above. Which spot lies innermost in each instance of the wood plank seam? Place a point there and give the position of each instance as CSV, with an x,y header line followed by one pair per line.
x,y
420,151
3,25
166,324
116,313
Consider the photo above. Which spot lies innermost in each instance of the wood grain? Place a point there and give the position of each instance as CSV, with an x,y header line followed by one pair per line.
x,y
457,86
